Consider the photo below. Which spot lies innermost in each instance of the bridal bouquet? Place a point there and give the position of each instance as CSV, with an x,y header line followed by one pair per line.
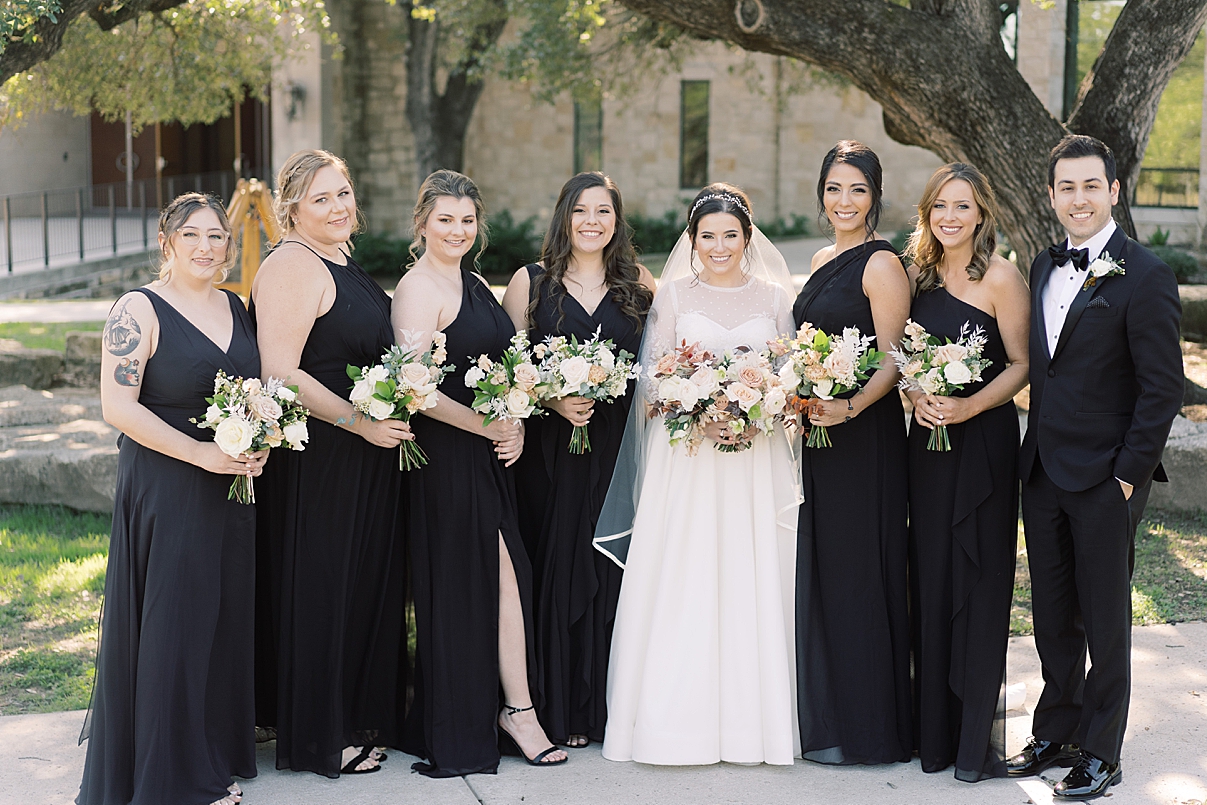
x,y
506,388
940,368
247,416
822,367
684,381
748,394
404,382
590,370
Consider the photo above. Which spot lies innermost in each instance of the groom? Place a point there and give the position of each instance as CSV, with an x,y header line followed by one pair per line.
x,y
1106,384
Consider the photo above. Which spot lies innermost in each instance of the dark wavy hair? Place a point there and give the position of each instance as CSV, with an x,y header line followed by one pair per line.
x,y
720,197
857,155
924,249
621,272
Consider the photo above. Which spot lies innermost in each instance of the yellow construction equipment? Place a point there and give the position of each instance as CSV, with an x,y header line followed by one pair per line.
x,y
250,210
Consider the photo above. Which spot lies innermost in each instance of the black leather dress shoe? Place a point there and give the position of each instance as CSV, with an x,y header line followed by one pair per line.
x,y
1090,778
1038,755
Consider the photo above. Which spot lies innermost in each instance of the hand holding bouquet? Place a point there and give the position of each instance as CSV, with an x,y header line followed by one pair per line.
x,y
404,382
748,397
248,416
822,367
939,368
591,370
506,388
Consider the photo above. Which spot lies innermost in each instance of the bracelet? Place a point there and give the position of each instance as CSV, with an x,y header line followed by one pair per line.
x,y
850,407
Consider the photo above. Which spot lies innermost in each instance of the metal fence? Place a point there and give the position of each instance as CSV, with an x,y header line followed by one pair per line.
x,y
1167,187
59,227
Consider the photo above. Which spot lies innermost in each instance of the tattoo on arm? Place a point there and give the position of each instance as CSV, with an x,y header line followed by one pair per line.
x,y
122,334
346,421
126,373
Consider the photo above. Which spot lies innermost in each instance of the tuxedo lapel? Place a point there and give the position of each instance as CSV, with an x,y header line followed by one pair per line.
x,y
1038,280
1115,248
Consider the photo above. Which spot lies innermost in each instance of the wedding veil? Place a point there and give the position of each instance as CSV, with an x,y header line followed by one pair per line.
x,y
761,261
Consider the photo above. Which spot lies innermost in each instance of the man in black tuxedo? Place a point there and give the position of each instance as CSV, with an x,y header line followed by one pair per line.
x,y
1106,384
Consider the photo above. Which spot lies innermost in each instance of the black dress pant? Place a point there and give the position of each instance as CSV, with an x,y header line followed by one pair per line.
x,y
1081,551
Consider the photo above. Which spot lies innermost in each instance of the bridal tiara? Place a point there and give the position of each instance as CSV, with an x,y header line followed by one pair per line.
x,y
732,199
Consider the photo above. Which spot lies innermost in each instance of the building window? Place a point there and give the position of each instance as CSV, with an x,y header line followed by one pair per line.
x,y
588,135
693,134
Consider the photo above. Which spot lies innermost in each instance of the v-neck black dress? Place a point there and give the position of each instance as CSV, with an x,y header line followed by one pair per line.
x,y
331,580
852,616
963,535
458,505
171,718
560,496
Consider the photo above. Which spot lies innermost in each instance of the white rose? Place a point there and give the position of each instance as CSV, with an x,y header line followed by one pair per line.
x,y
949,353
380,409
297,435
1100,267
705,381
213,414
519,404
931,382
415,375
689,394
362,391
957,374
789,377
823,387
285,393
474,376
234,435
252,385
377,374
574,371
264,407
775,401
526,376
606,359
743,395
841,366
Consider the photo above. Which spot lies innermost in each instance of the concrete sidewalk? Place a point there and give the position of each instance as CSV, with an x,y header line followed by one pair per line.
x,y
1165,759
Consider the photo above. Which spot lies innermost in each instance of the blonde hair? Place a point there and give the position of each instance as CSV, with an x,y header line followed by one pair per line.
x,y
178,211
923,248
441,184
294,180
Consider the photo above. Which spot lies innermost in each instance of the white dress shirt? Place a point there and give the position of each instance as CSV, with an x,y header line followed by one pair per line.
x,y
1064,282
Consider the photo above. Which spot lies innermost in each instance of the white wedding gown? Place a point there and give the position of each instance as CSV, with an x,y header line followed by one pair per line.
x,y
702,666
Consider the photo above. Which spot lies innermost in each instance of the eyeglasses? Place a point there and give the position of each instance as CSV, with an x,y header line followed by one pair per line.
x,y
191,237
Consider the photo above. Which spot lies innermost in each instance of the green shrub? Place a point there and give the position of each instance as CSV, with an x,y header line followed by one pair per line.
x,y
656,235
1184,264
1158,238
381,255
779,228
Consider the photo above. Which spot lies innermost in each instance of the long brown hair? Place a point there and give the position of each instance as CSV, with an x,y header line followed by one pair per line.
x,y
440,184
621,273
925,250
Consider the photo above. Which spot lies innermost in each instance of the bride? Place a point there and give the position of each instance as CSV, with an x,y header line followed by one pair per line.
x,y
702,664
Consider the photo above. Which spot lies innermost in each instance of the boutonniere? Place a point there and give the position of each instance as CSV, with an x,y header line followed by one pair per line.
x,y
1105,266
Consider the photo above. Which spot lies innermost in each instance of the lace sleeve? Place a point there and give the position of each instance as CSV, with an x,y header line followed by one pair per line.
x,y
785,324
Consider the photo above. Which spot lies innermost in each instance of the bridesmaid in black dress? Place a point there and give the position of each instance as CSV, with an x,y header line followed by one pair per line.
x,y
470,576
852,620
172,712
588,280
964,504
330,637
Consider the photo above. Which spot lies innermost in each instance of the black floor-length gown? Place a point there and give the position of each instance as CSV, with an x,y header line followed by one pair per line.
x,y
330,633
963,534
852,618
458,505
560,496
171,718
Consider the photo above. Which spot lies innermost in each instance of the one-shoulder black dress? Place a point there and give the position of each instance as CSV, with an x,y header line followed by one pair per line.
x,y
963,531
458,505
560,496
330,633
852,617
172,711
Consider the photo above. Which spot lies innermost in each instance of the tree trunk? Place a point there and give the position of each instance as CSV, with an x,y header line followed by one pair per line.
x,y
440,120
939,71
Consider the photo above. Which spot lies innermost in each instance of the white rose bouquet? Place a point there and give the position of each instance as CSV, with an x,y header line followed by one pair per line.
x,y
821,367
248,416
593,370
506,388
749,396
685,381
939,368
404,382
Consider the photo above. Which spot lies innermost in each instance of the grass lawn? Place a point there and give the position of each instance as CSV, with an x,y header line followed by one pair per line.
x,y
44,335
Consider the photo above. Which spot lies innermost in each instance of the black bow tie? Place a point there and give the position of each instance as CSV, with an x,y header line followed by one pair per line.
x,y
1080,258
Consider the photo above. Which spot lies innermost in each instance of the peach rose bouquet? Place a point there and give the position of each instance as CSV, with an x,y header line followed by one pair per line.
x,y
683,383
250,415
593,370
748,397
506,388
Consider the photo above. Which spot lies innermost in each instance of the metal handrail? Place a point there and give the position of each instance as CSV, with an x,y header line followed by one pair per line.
x,y
1167,187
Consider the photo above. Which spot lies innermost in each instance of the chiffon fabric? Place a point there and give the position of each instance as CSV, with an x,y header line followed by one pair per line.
x,y
171,718
560,495
331,664
701,667
852,617
963,534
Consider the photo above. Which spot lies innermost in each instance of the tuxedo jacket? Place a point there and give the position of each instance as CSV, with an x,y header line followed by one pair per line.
x,y
1103,402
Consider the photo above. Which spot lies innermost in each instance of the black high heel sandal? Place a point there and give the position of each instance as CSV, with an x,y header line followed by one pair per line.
x,y
539,760
366,753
